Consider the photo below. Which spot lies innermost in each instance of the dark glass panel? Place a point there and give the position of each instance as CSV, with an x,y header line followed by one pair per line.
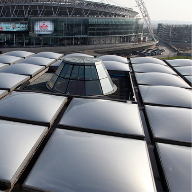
x,y
52,81
64,70
93,88
81,73
76,87
90,73
94,72
75,72
68,73
59,68
61,85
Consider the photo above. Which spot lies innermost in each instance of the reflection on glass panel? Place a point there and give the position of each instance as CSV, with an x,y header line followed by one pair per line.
x,y
94,72
106,85
68,73
102,74
52,81
76,87
88,74
75,71
81,73
93,88
64,71
59,68
61,85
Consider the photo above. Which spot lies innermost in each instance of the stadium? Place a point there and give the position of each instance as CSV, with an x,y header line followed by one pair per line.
x,y
66,22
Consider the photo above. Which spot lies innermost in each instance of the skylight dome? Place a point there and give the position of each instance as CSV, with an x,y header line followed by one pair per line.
x,y
82,76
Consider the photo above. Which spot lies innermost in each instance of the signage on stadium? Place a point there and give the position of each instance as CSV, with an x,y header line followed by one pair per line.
x,y
7,26
44,27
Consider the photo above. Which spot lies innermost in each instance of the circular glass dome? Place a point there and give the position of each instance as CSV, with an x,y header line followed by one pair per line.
x,y
82,76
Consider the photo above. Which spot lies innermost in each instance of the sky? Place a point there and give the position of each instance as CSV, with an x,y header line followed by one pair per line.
x,y
175,10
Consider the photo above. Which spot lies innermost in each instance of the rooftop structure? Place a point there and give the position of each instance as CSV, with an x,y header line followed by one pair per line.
x,y
136,139
82,76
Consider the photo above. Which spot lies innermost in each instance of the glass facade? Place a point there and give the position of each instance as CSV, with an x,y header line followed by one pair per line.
x,y
72,31
81,79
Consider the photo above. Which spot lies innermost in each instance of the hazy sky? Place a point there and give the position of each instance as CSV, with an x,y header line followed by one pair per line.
x,y
177,10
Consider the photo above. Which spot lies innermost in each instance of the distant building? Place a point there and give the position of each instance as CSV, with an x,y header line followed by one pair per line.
x,y
66,23
174,33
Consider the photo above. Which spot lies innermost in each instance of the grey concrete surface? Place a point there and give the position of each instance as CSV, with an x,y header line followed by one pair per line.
x,y
88,49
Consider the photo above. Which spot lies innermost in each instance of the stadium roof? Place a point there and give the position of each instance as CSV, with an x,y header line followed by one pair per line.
x,y
63,8
58,142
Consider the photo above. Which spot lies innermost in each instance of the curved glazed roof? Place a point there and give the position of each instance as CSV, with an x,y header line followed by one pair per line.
x,y
49,55
189,78
170,123
94,163
113,58
176,164
180,62
18,142
28,106
8,59
3,93
10,81
150,67
55,65
185,71
116,66
21,69
125,119
77,55
141,60
160,79
2,65
38,61
64,8
166,95
23,54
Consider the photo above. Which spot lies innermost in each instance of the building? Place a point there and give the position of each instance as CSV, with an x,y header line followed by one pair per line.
x,y
66,22
175,33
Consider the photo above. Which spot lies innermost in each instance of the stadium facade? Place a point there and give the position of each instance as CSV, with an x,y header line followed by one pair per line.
x,y
66,22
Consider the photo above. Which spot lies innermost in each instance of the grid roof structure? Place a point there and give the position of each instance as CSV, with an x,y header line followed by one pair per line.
x,y
150,67
189,78
3,93
179,62
100,151
49,55
116,66
170,124
113,58
38,61
124,120
175,162
23,54
155,78
18,142
144,60
166,95
55,65
76,55
8,59
37,108
10,81
185,71
2,65
91,162
21,69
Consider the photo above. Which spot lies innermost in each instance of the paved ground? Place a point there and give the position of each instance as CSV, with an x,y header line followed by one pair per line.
x,y
88,49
